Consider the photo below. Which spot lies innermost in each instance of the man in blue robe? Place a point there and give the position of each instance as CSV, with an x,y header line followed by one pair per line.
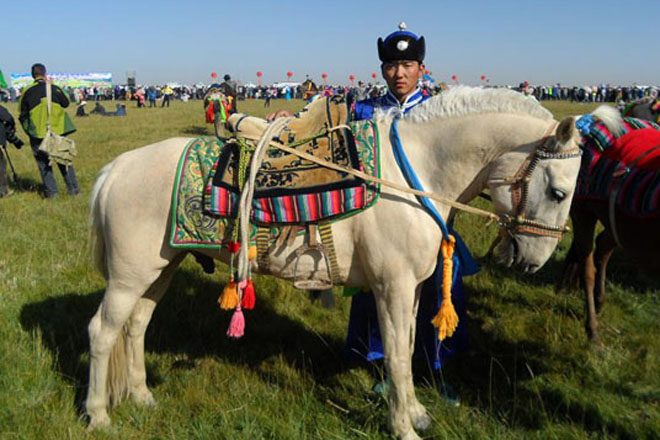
x,y
402,54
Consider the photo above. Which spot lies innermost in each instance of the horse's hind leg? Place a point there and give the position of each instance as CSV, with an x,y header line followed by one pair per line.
x,y
605,245
135,329
118,303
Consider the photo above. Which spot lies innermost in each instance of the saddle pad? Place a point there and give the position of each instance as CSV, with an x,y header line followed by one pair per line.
x,y
294,191
191,227
604,167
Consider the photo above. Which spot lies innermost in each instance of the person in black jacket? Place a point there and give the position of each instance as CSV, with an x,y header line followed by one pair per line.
x,y
7,133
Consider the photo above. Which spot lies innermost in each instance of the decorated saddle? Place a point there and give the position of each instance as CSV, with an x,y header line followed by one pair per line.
x,y
289,190
626,167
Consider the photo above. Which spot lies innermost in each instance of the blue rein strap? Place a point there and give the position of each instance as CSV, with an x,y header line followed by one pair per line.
x,y
468,264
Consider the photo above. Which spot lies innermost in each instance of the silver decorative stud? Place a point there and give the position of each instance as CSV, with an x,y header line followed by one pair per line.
x,y
402,45
402,26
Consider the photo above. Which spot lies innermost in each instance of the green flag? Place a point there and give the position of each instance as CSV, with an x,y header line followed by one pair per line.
x,y
3,83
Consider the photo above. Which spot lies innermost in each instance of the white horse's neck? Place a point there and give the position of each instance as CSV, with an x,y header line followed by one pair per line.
x,y
452,156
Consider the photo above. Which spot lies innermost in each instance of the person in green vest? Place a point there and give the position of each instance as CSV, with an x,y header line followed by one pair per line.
x,y
34,119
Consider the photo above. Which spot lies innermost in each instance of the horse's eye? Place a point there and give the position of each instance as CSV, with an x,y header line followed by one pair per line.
x,y
558,195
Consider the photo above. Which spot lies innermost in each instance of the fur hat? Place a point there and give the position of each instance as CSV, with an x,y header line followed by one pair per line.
x,y
401,45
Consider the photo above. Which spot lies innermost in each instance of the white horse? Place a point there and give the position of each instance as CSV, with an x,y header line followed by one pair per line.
x,y
458,143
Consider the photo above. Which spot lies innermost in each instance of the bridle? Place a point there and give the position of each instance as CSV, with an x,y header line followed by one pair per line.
x,y
519,222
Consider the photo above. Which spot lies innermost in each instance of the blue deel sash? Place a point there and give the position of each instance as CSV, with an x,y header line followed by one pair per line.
x,y
469,266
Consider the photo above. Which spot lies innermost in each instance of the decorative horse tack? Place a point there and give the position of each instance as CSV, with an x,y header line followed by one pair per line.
x,y
519,192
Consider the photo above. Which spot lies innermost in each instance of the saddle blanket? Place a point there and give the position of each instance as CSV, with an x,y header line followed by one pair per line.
x,y
291,190
193,226
605,165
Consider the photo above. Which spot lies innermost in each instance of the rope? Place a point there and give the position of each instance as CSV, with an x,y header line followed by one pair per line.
x,y
245,203
387,183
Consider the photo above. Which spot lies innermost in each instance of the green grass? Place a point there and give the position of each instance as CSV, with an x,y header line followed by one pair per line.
x,y
530,372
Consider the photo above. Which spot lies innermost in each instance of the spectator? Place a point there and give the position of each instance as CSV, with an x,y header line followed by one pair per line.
x,y
34,119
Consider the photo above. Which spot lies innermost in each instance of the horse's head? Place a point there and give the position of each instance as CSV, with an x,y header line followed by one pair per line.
x,y
533,191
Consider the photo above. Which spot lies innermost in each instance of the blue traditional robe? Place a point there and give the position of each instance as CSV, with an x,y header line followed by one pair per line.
x,y
363,340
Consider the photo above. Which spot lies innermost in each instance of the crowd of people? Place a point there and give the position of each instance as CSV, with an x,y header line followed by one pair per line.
x,y
162,95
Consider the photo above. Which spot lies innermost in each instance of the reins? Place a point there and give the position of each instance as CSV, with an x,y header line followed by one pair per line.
x,y
367,177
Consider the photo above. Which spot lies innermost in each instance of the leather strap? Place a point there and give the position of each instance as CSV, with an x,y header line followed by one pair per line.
x,y
325,230
263,248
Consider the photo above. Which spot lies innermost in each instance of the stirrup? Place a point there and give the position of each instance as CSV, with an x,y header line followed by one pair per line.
x,y
302,250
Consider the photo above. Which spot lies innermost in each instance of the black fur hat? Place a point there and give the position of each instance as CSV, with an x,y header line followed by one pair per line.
x,y
401,45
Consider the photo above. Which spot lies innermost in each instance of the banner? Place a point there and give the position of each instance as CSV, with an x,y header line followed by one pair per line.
x,y
87,79
3,83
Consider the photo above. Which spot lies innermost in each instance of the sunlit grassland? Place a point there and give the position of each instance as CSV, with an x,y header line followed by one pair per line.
x,y
530,372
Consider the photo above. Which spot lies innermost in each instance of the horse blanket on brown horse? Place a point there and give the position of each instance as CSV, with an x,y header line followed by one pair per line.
x,y
625,168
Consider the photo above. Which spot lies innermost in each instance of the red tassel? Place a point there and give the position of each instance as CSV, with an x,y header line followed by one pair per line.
x,y
233,247
237,324
210,113
248,296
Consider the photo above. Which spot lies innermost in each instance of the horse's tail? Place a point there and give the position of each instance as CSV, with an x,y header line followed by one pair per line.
x,y
611,118
95,223
117,381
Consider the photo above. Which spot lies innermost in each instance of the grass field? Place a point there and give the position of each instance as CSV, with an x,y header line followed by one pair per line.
x,y
530,372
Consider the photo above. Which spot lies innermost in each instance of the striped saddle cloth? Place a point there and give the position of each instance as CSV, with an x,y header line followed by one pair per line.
x,y
627,166
290,190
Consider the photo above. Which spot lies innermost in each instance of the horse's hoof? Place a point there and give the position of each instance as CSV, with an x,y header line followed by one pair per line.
x,y
418,416
98,421
410,435
144,398
421,422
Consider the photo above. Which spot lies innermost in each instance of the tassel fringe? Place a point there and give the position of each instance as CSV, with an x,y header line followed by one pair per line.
x,y
229,298
446,320
237,324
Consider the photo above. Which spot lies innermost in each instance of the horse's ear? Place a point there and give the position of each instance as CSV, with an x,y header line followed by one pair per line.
x,y
566,132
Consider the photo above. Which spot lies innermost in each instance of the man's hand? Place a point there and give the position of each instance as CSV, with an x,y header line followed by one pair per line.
x,y
278,114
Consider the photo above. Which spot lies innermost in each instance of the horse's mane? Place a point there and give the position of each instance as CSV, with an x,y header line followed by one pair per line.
x,y
463,100
611,118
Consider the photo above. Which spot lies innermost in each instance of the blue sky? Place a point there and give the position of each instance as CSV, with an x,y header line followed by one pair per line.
x,y
571,42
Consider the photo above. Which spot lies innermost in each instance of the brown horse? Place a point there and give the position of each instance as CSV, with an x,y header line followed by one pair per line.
x,y
646,108
638,237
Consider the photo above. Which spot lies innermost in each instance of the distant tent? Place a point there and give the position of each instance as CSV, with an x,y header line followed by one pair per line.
x,y
3,83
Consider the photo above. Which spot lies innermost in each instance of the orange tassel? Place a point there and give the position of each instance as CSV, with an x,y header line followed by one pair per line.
x,y
248,296
446,320
252,253
229,298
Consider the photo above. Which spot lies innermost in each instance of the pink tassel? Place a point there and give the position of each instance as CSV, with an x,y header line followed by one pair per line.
x,y
237,324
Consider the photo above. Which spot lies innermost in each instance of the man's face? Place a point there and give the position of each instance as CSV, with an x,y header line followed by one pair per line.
x,y
402,76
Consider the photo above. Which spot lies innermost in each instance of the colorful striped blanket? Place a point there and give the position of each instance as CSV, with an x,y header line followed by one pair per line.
x,y
605,166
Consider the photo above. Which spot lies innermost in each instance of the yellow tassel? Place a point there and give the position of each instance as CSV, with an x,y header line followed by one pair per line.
x,y
446,320
252,253
229,298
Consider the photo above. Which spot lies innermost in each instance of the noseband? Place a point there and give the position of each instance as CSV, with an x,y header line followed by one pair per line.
x,y
520,188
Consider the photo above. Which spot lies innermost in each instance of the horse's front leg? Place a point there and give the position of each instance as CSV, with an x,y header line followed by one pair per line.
x,y
605,245
395,301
